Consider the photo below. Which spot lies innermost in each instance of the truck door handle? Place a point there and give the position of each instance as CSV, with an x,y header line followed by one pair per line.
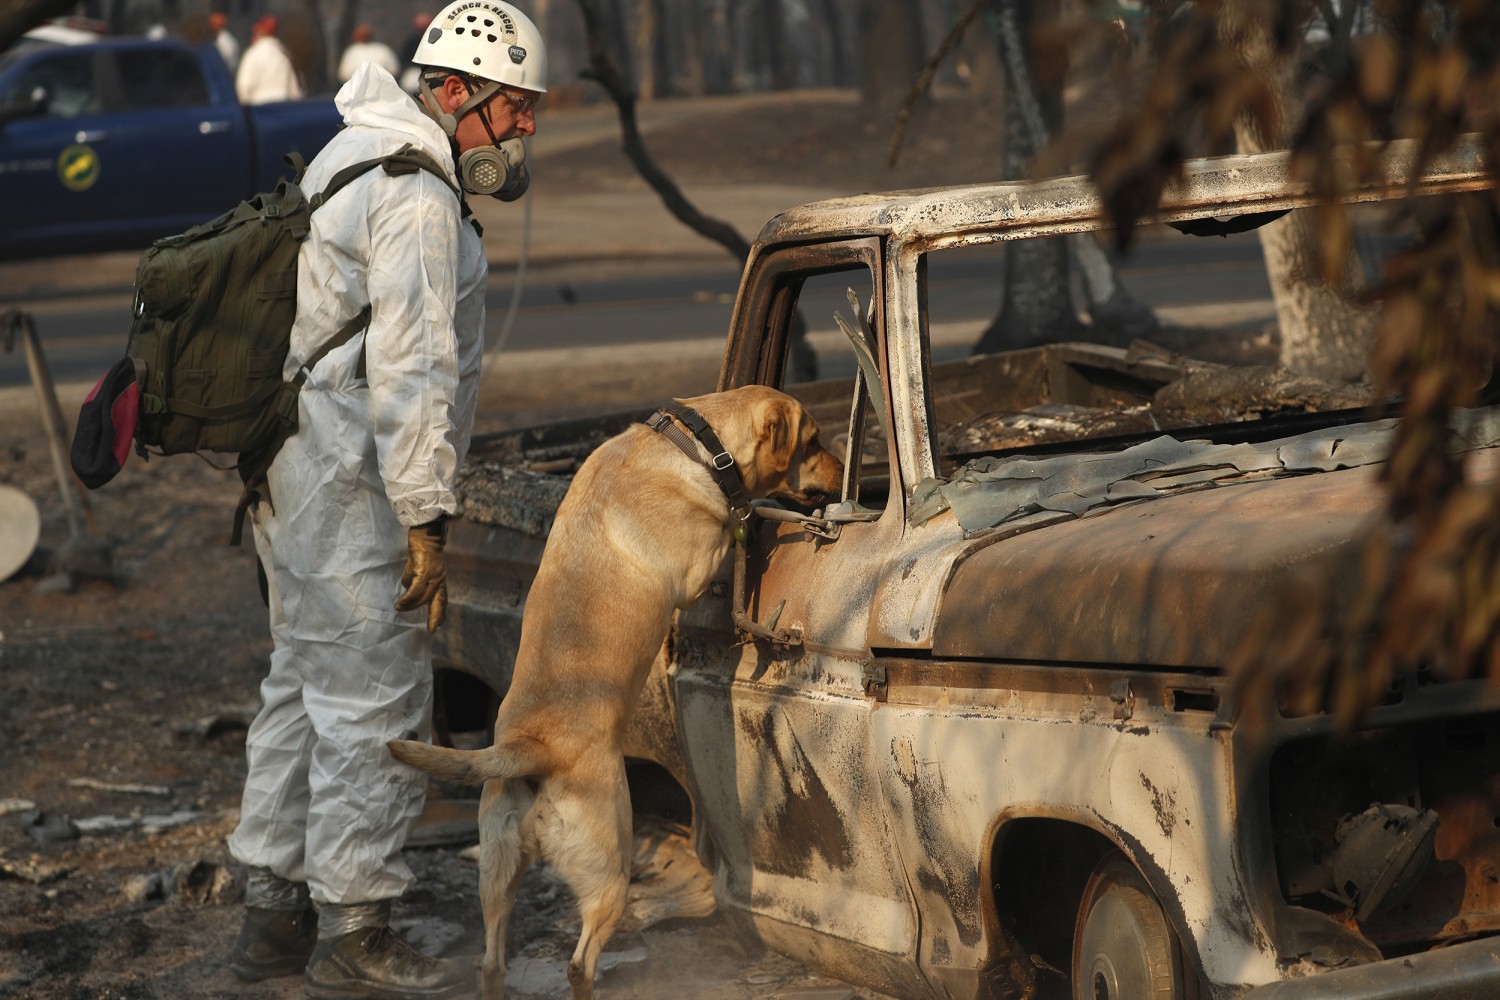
x,y
212,128
98,135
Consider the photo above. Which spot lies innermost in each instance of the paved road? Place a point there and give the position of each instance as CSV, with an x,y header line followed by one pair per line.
x,y
584,305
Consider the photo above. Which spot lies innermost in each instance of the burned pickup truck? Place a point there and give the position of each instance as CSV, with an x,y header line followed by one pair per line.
x,y
968,731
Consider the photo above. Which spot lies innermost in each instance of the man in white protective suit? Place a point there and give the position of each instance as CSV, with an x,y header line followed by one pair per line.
x,y
351,536
265,73
224,41
365,49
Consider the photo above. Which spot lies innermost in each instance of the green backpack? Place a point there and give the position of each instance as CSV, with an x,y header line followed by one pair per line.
x,y
212,322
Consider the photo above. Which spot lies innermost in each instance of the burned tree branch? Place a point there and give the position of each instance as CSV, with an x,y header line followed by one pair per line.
x,y
604,71
923,83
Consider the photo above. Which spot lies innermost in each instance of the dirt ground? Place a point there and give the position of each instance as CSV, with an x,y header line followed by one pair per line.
x,y
123,701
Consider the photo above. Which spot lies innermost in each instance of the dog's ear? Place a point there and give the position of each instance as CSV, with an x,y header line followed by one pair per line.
x,y
776,432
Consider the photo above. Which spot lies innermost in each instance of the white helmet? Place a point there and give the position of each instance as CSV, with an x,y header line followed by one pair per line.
x,y
488,39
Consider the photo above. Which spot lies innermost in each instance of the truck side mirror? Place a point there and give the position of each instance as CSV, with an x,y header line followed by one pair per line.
x,y
24,105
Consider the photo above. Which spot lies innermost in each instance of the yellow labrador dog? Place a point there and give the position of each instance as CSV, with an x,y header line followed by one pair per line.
x,y
639,534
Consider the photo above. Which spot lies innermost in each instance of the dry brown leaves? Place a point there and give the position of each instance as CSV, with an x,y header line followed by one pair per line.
x,y
1430,597
1197,84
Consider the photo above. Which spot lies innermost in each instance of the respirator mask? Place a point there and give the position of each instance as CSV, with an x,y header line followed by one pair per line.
x,y
498,171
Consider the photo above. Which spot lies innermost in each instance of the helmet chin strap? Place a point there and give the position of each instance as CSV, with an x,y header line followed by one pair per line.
x,y
449,122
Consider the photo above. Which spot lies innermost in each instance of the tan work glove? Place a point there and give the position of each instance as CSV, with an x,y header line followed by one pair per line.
x,y
426,576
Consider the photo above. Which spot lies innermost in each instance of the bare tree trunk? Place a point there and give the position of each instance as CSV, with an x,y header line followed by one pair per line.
x,y
648,50
781,49
1035,307
343,33
747,45
302,33
1118,316
839,65
979,55
1322,333
891,54
686,51
1035,304
717,49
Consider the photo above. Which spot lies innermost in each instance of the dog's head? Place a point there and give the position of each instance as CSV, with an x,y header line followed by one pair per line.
x,y
774,441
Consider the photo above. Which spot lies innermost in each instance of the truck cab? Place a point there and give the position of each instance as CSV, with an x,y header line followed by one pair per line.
x,y
112,144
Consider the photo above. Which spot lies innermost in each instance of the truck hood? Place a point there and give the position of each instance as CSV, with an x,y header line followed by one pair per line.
x,y
1177,581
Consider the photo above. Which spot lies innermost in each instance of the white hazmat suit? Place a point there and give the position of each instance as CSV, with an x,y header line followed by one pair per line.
x,y
324,802
266,74
379,53
229,49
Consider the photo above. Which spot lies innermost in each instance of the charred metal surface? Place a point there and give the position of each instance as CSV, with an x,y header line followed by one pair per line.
x,y
1153,787
1450,766
511,497
1469,971
1059,691
851,960
1250,392
768,290
559,440
1041,424
1208,187
1199,398
776,742
1159,583
1051,393
803,823
943,865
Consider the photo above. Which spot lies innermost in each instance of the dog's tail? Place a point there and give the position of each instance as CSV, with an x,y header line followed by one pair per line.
x,y
462,767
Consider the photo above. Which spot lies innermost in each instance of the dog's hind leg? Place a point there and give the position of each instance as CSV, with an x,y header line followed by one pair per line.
x,y
586,837
506,850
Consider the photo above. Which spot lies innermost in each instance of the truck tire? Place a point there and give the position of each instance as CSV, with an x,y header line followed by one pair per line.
x,y
1124,948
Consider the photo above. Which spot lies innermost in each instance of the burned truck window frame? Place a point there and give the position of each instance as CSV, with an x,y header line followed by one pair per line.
x,y
852,428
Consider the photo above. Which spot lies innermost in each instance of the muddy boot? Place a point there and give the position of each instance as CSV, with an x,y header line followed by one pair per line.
x,y
273,943
279,931
357,955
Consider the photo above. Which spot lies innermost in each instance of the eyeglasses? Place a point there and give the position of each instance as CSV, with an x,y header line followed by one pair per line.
x,y
520,103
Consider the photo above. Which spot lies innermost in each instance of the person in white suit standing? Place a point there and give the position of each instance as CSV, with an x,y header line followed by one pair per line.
x,y
366,49
351,527
266,73
224,41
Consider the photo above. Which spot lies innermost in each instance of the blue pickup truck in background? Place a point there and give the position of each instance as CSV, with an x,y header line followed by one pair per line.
x,y
112,144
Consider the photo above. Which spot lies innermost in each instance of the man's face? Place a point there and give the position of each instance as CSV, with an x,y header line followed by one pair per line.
x,y
511,112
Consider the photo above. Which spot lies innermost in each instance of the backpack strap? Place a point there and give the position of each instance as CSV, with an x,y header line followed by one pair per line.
x,y
296,164
406,160
253,468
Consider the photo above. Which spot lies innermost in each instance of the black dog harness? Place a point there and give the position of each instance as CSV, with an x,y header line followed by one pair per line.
x,y
720,463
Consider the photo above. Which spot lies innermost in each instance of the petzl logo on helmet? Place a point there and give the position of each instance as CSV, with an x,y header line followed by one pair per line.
x,y
517,54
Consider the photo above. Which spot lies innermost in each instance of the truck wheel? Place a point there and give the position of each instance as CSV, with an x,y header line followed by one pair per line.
x,y
1123,946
